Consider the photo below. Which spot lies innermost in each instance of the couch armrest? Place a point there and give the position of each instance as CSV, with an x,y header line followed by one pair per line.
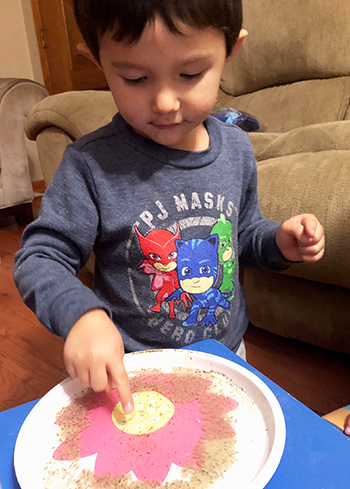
x,y
51,143
75,113
17,97
61,119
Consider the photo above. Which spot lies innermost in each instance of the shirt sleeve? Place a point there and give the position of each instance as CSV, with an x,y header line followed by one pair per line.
x,y
57,245
256,234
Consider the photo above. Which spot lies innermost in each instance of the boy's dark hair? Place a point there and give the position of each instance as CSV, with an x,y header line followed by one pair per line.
x,y
126,19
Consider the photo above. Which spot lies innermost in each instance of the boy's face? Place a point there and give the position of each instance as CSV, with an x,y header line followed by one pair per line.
x,y
166,84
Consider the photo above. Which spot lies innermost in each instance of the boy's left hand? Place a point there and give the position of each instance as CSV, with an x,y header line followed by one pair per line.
x,y
301,238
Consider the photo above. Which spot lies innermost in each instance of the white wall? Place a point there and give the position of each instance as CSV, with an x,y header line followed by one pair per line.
x,y
19,54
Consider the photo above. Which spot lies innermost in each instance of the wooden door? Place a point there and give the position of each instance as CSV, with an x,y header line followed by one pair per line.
x,y
64,68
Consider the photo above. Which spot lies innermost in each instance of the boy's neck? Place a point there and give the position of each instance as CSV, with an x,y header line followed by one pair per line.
x,y
198,139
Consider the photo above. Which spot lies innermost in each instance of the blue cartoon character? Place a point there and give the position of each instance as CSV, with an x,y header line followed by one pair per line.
x,y
197,264
223,228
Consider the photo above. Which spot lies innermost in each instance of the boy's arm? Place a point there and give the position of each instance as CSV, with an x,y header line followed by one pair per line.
x,y
56,246
53,250
256,234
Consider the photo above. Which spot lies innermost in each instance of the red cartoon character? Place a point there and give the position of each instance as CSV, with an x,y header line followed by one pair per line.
x,y
159,249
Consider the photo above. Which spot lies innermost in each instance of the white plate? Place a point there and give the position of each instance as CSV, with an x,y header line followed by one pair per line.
x,y
260,427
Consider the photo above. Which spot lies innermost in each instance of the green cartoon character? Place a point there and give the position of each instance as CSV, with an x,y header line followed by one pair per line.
x,y
223,229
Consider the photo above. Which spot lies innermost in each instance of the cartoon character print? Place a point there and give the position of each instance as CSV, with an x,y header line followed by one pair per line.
x,y
159,249
223,228
197,263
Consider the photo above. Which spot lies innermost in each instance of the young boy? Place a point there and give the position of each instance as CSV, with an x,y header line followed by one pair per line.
x,y
165,195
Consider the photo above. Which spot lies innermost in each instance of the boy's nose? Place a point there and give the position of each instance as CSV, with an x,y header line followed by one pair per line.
x,y
166,101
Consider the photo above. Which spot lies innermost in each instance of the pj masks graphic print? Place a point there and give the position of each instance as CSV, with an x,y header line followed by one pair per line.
x,y
197,263
159,249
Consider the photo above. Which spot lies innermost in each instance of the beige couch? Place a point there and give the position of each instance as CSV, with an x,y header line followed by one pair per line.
x,y
293,74
17,97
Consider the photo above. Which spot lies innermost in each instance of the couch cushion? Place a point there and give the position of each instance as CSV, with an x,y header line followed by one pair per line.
x,y
314,138
318,183
289,41
285,107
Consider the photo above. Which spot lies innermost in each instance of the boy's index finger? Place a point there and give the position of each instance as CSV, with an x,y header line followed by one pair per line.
x,y
119,379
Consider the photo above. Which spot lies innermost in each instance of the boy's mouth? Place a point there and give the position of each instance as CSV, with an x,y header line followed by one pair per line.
x,y
165,126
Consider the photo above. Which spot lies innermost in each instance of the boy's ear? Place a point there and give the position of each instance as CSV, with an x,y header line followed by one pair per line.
x,y
241,36
85,51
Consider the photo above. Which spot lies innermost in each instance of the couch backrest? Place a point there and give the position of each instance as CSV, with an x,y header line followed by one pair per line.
x,y
288,41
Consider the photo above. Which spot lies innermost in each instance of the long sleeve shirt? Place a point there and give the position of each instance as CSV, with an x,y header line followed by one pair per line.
x,y
169,229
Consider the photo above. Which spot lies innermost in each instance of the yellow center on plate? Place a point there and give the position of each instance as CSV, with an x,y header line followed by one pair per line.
x,y
151,412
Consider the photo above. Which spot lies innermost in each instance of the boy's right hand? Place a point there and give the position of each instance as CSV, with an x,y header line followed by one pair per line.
x,y
93,353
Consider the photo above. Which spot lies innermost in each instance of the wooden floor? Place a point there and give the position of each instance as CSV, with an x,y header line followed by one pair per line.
x,y
31,357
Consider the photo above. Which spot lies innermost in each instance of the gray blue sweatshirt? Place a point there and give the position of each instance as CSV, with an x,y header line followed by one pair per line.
x,y
169,229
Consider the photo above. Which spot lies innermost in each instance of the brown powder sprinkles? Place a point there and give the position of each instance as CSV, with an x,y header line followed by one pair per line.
x,y
213,451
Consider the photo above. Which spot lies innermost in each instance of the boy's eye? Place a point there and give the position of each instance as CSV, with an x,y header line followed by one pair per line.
x,y
191,76
135,81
